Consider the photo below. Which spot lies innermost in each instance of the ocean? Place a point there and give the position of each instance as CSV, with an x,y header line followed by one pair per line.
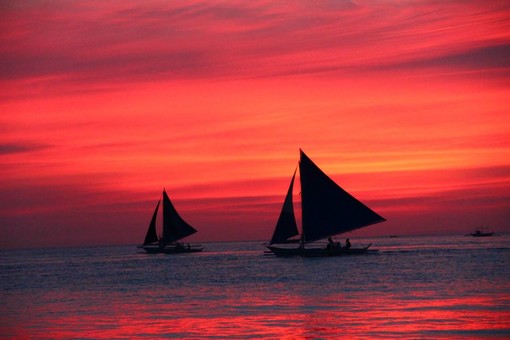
x,y
448,287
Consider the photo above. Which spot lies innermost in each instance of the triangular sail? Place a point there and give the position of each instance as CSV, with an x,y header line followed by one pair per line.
x,y
152,235
286,226
327,208
174,227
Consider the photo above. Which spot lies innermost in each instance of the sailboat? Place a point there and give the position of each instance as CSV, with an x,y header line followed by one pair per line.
x,y
174,229
482,232
327,210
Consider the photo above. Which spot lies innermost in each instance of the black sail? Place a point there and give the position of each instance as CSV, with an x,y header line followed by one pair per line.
x,y
327,208
286,226
152,235
174,227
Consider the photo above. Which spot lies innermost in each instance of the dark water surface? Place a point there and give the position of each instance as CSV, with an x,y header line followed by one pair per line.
x,y
414,288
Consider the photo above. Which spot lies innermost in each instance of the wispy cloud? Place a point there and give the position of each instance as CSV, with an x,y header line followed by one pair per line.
x,y
103,104
94,43
486,58
14,148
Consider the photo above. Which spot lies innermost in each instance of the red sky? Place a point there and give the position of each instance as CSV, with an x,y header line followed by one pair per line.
x,y
405,104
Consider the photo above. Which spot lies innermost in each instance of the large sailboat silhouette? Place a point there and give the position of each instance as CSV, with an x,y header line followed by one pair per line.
x,y
174,229
326,209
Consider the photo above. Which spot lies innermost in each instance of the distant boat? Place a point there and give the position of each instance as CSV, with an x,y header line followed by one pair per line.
x,y
174,229
482,232
327,210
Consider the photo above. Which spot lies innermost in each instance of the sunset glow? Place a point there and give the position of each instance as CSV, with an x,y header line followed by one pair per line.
x,y
404,104
293,317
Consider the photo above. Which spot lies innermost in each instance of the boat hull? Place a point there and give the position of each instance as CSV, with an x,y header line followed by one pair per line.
x,y
171,249
319,252
178,250
477,234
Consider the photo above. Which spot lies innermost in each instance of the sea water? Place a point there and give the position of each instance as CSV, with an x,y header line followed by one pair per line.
x,y
413,288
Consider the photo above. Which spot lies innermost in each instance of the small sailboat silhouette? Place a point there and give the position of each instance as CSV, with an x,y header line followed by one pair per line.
x,y
174,229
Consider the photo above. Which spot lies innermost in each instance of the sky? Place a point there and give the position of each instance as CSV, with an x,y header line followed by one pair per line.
x,y
405,104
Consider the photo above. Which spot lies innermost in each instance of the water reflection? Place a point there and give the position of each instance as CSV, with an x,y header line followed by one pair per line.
x,y
417,293
244,315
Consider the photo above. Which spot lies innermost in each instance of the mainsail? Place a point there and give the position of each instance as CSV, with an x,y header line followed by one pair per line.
x,y
328,209
174,227
152,235
286,226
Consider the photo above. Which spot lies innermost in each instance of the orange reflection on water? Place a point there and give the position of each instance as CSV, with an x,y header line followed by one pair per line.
x,y
292,316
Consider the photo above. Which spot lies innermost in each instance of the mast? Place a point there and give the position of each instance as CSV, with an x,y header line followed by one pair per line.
x,y
174,227
302,240
327,209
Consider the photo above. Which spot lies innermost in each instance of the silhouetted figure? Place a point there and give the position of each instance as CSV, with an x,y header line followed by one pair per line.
x,y
332,245
347,244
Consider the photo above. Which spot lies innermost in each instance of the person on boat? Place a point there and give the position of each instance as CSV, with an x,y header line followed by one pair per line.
x,y
347,244
331,244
